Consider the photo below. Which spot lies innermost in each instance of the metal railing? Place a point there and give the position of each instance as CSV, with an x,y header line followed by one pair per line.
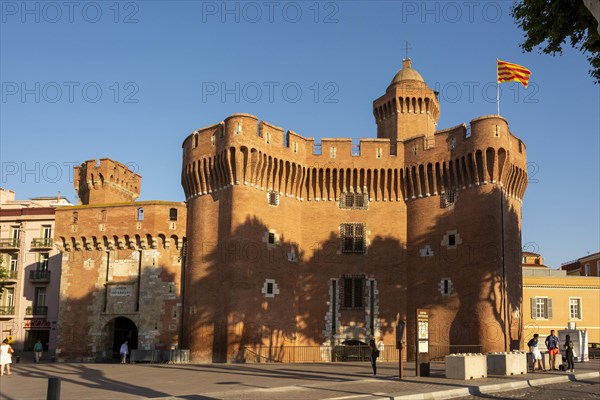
x,y
7,310
337,353
9,243
11,274
42,243
38,310
39,276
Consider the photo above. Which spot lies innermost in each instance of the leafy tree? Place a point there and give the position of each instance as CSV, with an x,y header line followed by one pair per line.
x,y
549,23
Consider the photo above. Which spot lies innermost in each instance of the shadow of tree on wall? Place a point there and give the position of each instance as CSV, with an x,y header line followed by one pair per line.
x,y
230,310
235,316
86,326
477,311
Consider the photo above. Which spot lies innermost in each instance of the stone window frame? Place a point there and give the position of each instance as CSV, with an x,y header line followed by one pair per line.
x,y
354,201
353,237
270,288
446,287
446,240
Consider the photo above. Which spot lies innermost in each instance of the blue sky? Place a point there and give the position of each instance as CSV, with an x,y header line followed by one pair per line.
x,y
130,80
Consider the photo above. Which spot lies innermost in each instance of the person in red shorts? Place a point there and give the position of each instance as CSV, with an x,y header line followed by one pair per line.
x,y
552,345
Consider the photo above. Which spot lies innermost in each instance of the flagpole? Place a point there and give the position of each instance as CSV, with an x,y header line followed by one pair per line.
x,y
498,98
497,88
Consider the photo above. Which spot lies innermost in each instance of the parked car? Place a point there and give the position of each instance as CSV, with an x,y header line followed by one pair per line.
x,y
351,350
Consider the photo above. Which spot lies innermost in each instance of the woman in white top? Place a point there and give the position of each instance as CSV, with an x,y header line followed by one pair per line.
x,y
5,357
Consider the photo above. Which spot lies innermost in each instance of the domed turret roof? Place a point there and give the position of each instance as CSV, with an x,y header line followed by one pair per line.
x,y
407,73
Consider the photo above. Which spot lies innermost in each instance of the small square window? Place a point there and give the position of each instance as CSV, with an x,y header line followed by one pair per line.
x,y
273,198
448,199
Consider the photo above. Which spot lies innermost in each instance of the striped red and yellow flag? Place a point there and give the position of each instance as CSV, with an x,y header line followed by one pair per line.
x,y
509,72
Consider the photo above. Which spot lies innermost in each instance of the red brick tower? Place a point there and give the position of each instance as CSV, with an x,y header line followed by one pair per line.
x,y
408,108
106,181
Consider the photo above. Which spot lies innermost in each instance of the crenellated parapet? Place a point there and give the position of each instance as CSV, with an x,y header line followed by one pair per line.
x,y
241,150
147,225
106,181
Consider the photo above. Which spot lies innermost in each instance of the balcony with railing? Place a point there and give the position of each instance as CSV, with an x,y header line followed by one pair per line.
x,y
9,244
7,311
42,244
11,277
37,311
39,276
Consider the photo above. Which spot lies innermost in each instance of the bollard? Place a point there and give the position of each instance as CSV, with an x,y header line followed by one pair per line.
x,y
53,389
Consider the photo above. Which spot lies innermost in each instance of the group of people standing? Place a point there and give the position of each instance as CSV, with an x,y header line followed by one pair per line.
x,y
552,344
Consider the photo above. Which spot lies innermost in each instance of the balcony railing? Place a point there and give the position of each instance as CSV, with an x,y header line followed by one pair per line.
x,y
11,275
9,244
38,310
39,276
42,243
7,310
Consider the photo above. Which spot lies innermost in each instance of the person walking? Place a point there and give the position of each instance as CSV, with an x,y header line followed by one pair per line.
x,y
5,357
535,353
552,345
124,350
570,354
38,347
374,356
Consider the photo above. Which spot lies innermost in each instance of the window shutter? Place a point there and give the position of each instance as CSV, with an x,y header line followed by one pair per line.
x,y
533,308
549,307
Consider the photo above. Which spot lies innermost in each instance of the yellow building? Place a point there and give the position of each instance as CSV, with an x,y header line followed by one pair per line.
x,y
552,299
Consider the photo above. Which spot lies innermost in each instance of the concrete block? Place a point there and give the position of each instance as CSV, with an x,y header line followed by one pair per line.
x,y
513,363
545,361
466,366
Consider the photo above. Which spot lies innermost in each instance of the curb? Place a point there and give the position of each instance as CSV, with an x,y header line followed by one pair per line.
x,y
502,387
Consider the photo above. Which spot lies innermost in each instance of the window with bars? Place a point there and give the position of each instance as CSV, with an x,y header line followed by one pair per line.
x,y
273,198
353,238
449,198
541,308
353,291
354,201
575,308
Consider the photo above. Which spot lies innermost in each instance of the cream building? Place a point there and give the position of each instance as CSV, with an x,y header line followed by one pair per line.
x,y
29,297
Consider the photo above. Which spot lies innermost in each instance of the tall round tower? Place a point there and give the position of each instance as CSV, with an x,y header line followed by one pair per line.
x,y
408,108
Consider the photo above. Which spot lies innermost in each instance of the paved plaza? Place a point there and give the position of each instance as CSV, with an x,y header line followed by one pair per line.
x,y
260,381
